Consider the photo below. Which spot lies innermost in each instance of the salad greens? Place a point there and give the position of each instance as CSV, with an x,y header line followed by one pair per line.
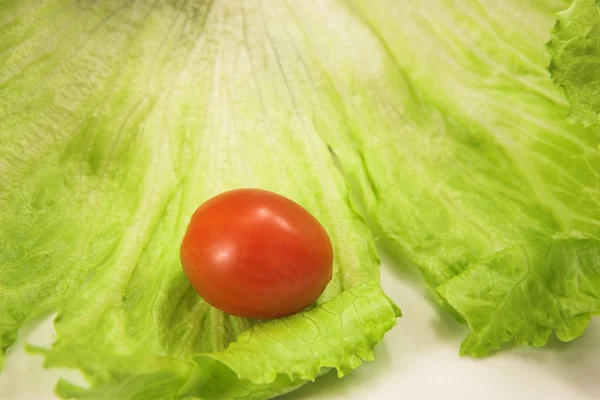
x,y
437,118
116,123
575,66
473,168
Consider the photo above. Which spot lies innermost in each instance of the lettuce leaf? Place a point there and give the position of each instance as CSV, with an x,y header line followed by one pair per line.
x,y
530,290
266,360
463,153
575,65
117,119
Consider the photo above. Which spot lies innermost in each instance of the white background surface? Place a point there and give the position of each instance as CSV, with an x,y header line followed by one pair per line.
x,y
418,359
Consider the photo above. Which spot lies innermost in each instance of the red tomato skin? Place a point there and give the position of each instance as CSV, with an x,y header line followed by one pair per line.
x,y
256,254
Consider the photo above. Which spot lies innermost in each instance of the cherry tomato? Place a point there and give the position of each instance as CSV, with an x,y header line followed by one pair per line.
x,y
256,254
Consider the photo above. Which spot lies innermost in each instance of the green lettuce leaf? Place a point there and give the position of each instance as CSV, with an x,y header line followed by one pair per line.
x,y
575,65
266,360
117,119
530,290
462,151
